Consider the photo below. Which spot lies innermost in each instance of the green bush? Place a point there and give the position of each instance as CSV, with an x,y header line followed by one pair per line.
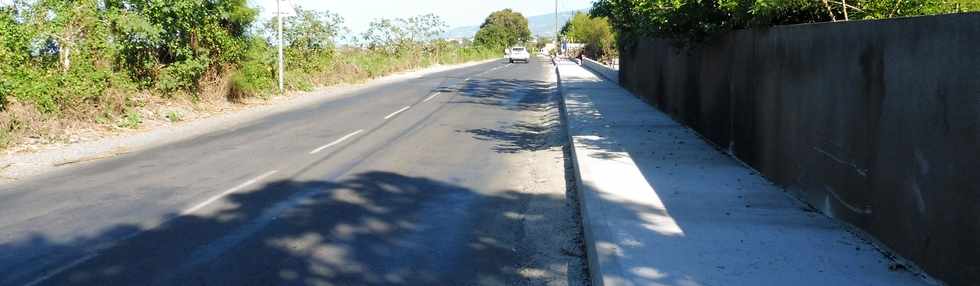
x,y
594,32
256,75
174,116
85,59
181,76
37,87
131,119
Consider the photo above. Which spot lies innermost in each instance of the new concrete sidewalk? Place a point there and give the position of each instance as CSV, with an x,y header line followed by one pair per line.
x,y
662,207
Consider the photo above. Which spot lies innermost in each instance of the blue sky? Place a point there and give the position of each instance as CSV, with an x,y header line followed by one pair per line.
x,y
358,13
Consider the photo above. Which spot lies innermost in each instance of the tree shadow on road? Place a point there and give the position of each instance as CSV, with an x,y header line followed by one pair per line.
x,y
375,228
524,136
538,97
510,94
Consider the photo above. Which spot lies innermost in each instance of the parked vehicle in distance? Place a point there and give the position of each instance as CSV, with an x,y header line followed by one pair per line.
x,y
518,54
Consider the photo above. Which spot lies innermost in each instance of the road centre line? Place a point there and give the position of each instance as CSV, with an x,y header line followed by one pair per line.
x,y
99,248
227,192
397,112
431,96
335,142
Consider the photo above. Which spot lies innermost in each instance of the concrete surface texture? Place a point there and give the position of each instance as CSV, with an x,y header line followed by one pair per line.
x,y
464,187
872,122
607,72
662,207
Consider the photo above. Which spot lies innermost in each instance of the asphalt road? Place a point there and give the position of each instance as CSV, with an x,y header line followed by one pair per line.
x,y
454,178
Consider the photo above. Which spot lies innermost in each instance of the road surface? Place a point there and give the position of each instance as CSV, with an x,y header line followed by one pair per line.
x,y
454,178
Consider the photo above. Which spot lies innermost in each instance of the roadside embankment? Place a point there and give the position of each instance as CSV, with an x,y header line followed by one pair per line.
x,y
46,157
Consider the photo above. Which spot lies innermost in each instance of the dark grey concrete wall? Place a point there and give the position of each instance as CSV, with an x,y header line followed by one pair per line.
x,y
872,122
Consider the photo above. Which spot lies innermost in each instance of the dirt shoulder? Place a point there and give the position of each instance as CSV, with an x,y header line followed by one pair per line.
x,y
86,145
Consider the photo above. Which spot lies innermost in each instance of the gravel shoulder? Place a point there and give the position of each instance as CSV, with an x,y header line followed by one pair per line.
x,y
557,256
41,159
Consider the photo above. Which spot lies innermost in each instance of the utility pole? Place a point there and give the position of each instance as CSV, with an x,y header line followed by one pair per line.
x,y
557,31
282,68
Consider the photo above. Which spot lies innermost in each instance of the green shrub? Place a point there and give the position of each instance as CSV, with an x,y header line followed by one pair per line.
x,y
174,116
250,82
256,75
37,87
131,119
594,32
181,76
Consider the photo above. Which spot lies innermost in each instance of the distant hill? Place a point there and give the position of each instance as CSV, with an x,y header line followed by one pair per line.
x,y
540,25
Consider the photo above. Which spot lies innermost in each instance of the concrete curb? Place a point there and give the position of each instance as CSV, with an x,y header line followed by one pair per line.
x,y
601,70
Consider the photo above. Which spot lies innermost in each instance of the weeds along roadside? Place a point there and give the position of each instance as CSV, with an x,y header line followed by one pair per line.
x,y
76,70
120,109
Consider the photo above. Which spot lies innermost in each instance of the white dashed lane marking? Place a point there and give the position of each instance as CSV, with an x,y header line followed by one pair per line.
x,y
397,112
335,142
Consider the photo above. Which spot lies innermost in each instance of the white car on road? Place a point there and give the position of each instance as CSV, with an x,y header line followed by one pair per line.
x,y
518,54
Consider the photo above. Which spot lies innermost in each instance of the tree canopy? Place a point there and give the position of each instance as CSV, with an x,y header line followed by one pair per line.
x,y
164,44
502,29
594,32
403,34
698,19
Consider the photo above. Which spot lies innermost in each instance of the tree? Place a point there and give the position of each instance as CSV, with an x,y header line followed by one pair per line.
x,y
176,42
502,29
308,37
594,32
309,30
695,20
403,34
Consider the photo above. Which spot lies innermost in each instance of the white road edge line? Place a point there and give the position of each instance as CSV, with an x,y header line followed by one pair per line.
x,y
335,142
397,112
96,251
205,203
431,96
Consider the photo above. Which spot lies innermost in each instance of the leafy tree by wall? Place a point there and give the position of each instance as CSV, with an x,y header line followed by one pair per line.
x,y
695,20
595,32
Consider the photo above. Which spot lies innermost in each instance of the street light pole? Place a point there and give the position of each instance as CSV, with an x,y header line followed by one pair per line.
x,y
557,29
281,64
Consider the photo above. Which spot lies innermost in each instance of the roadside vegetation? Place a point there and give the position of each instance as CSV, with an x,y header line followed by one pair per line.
x,y
595,32
692,21
107,65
